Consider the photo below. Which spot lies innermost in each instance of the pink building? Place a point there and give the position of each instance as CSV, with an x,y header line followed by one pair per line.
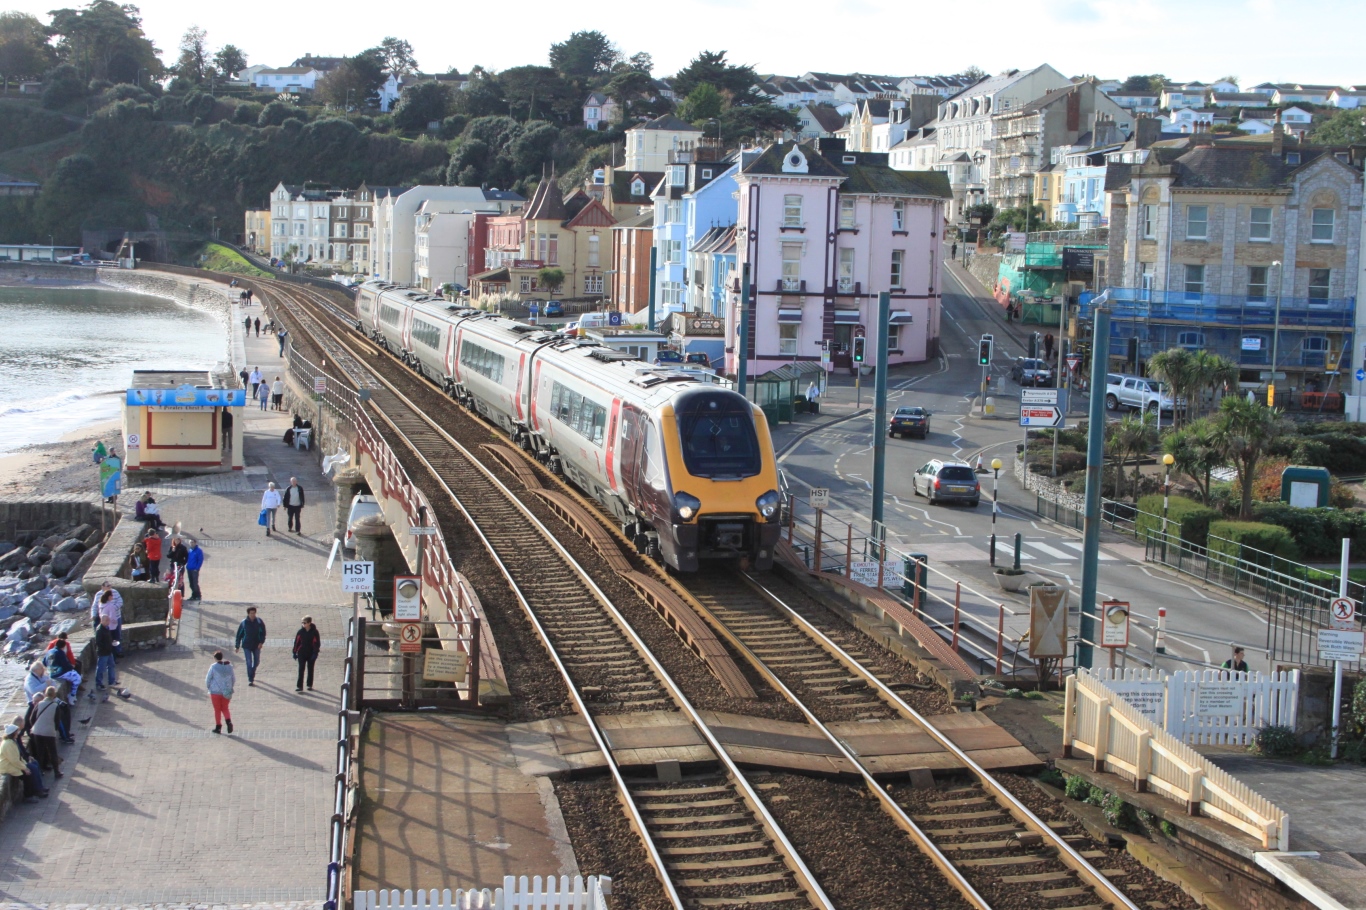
x,y
825,231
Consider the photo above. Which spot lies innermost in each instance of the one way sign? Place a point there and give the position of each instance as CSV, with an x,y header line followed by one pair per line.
x,y
1039,415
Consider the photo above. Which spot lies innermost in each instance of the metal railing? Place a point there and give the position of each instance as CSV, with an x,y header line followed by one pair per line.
x,y
1118,516
346,780
388,677
1296,607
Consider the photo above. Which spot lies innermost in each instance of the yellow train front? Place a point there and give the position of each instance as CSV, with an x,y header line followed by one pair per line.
x,y
718,496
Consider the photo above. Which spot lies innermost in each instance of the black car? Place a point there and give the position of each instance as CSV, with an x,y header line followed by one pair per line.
x,y
909,422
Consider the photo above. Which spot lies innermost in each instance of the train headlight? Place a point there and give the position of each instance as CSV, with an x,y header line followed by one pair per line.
x,y
686,505
768,504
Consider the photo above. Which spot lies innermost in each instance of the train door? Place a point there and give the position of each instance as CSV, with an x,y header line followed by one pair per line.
x,y
629,452
652,477
408,329
610,458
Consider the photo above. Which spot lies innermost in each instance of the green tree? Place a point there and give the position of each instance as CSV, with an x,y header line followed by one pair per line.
x,y
1213,373
703,103
1177,368
1244,431
1134,435
582,56
276,113
641,62
230,60
1346,127
105,41
1197,453
550,280
190,66
62,85
975,73
1154,83
735,82
24,51
483,95
356,83
422,104
629,88
538,93
759,120
398,56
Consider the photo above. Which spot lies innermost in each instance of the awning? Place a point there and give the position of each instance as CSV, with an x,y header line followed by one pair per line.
x,y
900,317
493,275
847,317
789,314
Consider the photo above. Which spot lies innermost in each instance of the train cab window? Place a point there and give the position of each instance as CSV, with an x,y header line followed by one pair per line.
x,y
651,459
716,432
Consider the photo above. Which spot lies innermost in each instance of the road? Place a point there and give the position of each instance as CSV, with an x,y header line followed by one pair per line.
x,y
956,538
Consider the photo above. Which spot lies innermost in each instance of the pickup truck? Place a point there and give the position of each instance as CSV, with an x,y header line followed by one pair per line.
x,y
1137,393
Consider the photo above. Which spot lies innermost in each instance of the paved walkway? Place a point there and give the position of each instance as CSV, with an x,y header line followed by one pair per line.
x,y
156,809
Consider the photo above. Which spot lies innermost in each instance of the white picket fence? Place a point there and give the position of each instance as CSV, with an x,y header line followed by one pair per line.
x,y
1208,707
555,893
1120,740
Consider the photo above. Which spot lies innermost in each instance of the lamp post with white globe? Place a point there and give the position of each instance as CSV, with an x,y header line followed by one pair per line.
x,y
995,479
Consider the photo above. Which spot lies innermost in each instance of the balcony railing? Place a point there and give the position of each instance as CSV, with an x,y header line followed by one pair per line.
x,y
1222,309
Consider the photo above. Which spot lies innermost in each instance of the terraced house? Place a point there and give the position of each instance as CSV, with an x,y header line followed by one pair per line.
x,y
1247,247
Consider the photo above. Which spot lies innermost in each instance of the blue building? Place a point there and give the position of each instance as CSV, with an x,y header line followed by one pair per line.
x,y
696,194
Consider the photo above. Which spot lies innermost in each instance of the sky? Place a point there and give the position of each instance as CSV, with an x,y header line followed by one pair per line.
x,y
1256,40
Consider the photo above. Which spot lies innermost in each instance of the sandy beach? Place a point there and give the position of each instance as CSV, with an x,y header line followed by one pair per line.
x,y
64,465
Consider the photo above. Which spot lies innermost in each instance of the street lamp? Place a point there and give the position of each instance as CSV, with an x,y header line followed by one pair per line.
x,y
995,479
1167,460
1275,338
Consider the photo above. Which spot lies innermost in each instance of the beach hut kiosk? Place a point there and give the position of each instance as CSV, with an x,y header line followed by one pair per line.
x,y
177,421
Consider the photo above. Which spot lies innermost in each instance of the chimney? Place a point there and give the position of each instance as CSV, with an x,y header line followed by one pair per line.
x,y
1146,132
1104,131
1277,136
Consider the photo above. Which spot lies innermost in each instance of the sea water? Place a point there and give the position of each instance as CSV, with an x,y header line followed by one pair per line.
x,y
67,355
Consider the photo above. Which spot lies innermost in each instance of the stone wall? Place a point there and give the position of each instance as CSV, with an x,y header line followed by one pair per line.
x,y
985,267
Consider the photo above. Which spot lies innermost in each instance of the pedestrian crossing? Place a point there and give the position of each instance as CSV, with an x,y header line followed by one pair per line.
x,y
1051,551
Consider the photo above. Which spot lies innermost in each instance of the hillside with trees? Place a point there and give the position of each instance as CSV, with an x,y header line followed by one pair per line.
x,y
126,137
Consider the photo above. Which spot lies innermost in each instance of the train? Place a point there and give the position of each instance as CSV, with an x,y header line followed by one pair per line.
x,y
684,464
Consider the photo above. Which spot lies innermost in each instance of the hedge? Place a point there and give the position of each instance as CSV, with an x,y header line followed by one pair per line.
x,y
1319,532
1230,537
1191,516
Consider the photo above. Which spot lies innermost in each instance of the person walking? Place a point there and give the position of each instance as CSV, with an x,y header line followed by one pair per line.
x,y
225,422
294,505
246,377
153,542
108,603
270,501
251,637
219,681
1236,663
307,644
194,561
264,395
277,393
258,326
1048,346
280,335
43,730
14,761
255,380
179,557
953,250
105,643
813,398
246,323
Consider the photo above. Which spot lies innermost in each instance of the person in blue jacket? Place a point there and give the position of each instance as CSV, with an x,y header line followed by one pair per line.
x,y
192,567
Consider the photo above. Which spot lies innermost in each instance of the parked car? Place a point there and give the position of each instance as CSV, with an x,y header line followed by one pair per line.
x,y
1031,371
362,505
947,481
554,308
1138,393
699,359
909,422
666,355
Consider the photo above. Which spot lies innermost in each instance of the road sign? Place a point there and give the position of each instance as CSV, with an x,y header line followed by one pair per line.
x,y
1073,361
407,598
1038,396
865,573
358,577
421,531
1335,644
820,497
1114,631
320,384
1040,416
410,638
1344,613
134,440
1361,375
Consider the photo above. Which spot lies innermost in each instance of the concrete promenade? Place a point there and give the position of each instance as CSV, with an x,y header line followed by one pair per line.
x,y
157,810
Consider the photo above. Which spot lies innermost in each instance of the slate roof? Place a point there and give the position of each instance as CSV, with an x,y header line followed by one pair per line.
x,y
547,203
668,122
621,186
771,162
1239,167
864,177
1043,101
595,99
713,240
826,117
645,219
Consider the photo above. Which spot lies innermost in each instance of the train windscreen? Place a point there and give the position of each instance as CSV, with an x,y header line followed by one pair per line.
x,y
716,432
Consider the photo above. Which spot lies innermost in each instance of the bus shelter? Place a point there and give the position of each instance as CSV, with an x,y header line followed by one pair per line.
x,y
781,393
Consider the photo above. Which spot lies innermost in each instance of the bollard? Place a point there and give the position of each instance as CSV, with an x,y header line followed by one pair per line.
x,y
1000,636
915,592
848,548
1160,636
1017,551
957,606
993,550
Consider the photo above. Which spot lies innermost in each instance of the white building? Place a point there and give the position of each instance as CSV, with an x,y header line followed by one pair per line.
x,y
300,223
649,144
441,247
291,80
1351,97
394,245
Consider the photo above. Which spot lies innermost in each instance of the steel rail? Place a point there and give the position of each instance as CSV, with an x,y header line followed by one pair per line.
x,y
1069,856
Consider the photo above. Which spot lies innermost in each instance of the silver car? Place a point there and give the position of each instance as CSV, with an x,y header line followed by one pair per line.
x,y
947,481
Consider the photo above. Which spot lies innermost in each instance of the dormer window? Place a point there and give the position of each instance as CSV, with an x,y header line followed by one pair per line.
x,y
851,159
706,173
1292,157
638,188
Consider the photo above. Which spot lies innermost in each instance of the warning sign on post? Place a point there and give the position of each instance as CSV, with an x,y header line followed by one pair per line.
x,y
444,666
1114,631
407,598
410,638
358,577
1336,644
1342,614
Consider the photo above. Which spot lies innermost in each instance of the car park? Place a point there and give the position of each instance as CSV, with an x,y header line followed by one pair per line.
x,y
1138,393
1031,371
912,421
947,481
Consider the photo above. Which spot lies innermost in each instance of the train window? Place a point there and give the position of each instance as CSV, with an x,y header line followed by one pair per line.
x,y
365,301
388,314
426,333
481,360
653,463
582,415
716,431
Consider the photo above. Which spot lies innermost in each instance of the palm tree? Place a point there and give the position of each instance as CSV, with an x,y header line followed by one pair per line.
x,y
1196,450
1213,372
1177,368
1133,435
1243,431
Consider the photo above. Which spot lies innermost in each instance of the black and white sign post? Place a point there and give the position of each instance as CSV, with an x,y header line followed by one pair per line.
x,y
1347,625
357,578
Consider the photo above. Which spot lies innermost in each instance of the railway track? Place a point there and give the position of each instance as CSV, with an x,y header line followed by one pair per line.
x,y
711,839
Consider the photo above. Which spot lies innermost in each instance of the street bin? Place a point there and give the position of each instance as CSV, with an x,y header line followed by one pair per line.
x,y
914,573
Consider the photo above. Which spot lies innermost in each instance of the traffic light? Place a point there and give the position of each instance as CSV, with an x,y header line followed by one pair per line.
x,y
984,350
859,344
